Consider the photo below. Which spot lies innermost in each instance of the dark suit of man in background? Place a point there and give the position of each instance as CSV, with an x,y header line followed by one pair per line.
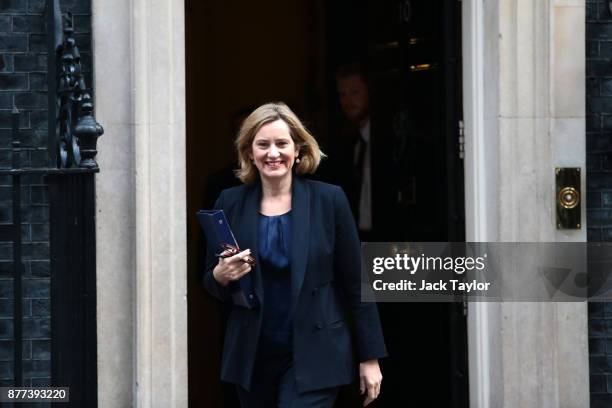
x,y
356,157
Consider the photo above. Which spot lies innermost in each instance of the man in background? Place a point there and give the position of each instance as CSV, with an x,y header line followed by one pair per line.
x,y
350,157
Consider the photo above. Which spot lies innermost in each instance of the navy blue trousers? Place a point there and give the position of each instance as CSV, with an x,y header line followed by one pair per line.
x,y
274,386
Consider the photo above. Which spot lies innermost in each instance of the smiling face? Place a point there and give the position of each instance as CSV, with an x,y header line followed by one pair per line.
x,y
273,151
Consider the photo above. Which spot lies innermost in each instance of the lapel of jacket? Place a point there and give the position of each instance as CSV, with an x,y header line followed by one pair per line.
x,y
300,234
249,224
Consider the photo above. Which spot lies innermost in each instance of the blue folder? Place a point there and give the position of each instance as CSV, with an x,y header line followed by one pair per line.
x,y
218,232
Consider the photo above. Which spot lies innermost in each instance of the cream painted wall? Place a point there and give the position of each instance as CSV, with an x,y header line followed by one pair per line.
x,y
141,203
115,205
524,76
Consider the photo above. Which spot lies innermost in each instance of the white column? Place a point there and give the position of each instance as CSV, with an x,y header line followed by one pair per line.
x,y
141,195
524,79
159,114
115,224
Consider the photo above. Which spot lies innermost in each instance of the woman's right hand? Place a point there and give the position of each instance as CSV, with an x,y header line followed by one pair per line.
x,y
232,268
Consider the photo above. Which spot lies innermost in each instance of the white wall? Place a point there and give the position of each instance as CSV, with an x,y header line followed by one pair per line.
x,y
141,232
524,84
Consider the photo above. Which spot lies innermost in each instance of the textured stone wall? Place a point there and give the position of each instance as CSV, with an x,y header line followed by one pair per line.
x,y
599,184
23,84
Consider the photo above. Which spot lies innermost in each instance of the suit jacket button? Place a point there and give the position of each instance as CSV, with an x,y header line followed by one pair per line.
x,y
319,325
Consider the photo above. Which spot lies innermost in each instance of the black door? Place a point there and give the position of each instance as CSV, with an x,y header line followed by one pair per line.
x,y
412,50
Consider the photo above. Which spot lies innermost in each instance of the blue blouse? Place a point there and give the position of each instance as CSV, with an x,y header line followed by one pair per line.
x,y
274,241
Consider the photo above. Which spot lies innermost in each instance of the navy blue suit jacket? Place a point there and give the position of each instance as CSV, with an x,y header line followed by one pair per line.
x,y
325,285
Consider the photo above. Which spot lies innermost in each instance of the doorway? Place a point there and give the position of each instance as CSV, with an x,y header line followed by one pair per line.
x,y
242,54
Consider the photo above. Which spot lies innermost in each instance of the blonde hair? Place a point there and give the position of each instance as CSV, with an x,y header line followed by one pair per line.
x,y
308,148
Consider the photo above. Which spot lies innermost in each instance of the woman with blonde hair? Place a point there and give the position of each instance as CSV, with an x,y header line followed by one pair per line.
x,y
296,348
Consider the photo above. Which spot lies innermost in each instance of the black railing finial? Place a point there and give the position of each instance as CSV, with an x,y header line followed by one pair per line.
x,y
72,126
78,130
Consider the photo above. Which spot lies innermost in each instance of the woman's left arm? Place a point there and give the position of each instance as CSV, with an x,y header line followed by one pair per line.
x,y
370,343
347,266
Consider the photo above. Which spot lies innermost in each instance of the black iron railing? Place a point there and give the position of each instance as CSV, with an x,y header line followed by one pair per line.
x,y
69,174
